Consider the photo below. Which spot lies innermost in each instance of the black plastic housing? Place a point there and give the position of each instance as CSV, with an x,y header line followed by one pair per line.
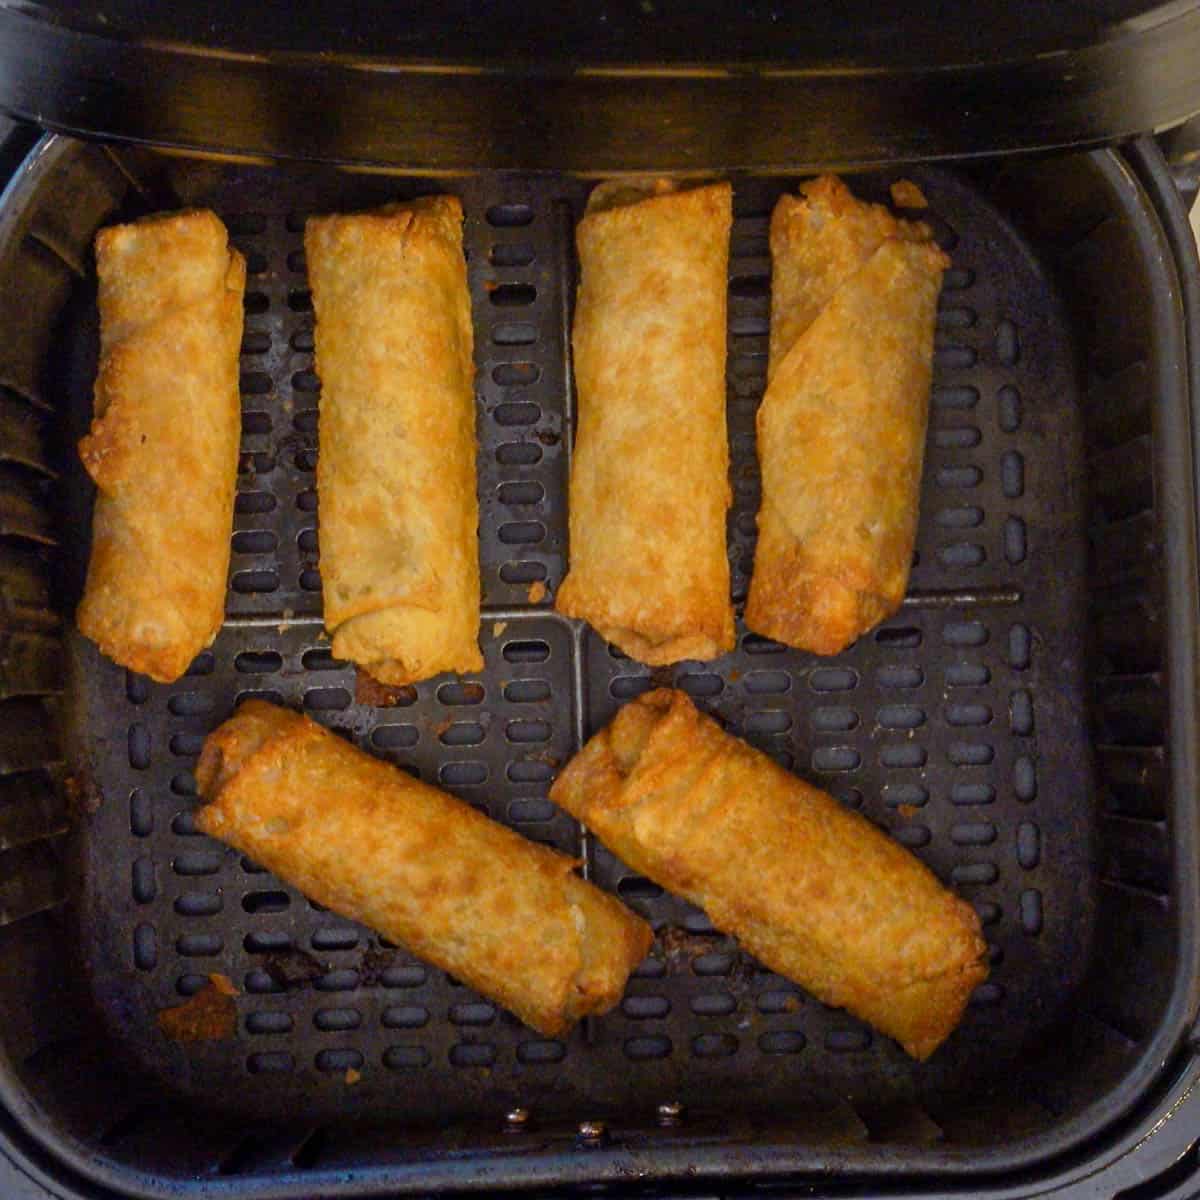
x,y
606,87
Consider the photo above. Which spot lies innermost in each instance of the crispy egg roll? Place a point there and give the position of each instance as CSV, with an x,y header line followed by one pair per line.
x,y
815,891
649,480
507,916
163,445
396,461
841,429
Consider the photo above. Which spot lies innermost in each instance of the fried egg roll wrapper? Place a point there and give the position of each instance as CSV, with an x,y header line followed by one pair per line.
x,y
649,479
163,444
504,915
841,429
396,462
813,890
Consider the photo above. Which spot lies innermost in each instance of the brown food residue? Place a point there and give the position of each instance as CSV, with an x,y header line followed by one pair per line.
x,y
907,811
352,1076
537,592
906,194
369,691
498,627
223,984
208,1016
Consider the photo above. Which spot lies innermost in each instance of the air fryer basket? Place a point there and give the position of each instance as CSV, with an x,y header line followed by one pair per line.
x,y
1024,725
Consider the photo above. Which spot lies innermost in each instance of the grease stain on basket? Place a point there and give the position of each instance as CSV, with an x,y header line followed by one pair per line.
x,y
293,968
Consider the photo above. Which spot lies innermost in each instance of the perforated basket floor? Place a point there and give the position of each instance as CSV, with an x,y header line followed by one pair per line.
x,y
944,726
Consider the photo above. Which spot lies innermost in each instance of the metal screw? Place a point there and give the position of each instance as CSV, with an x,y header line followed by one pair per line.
x,y
670,1113
516,1120
592,1131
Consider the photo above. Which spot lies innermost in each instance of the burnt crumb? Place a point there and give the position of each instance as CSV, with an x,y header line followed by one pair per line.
x,y
293,968
375,960
676,945
743,972
662,677
289,443
84,796
547,437
680,949
369,691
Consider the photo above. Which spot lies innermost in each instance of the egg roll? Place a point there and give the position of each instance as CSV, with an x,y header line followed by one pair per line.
x,y
396,455
163,444
649,483
815,891
841,429
504,915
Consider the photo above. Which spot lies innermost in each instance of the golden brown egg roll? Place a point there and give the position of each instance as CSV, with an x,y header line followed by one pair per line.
x,y
841,429
396,461
163,446
649,480
815,891
507,916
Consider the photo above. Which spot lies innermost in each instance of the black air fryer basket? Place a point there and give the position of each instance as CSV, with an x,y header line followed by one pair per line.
x,y
1026,724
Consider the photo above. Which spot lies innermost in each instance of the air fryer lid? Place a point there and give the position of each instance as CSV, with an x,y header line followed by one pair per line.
x,y
637,84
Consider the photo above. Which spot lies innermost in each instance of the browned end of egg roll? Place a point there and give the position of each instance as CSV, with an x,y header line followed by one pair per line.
x,y
163,446
649,478
815,891
841,429
506,916
396,463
